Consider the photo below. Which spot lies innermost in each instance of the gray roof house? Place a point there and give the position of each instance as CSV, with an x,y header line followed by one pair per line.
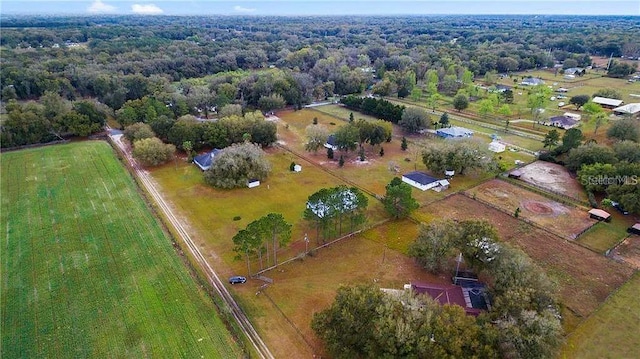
x,y
564,122
204,160
532,81
423,181
454,132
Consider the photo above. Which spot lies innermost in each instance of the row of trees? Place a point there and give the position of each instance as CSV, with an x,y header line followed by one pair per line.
x,y
602,169
261,239
379,108
232,127
332,208
52,118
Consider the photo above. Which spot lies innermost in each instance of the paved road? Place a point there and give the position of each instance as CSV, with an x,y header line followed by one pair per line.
x,y
244,323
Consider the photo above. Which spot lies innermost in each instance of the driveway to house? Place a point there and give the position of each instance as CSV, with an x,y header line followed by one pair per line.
x,y
233,307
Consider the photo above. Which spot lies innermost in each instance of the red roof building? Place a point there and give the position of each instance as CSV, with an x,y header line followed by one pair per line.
x,y
447,294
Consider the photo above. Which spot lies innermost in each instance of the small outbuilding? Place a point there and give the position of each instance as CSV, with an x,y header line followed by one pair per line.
x,y
600,215
574,116
253,183
423,181
297,168
635,229
497,147
515,174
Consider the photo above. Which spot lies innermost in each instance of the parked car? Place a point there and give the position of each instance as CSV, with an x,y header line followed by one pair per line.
x,y
620,209
237,279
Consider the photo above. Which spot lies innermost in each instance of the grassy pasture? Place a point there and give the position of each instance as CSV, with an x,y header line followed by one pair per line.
x,y
376,171
87,271
612,331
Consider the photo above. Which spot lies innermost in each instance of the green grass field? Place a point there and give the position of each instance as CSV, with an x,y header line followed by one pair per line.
x,y
87,271
612,331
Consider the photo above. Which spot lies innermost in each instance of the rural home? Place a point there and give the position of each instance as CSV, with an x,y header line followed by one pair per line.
x,y
497,147
331,143
204,160
502,88
632,109
469,295
454,132
423,181
575,71
564,122
600,215
606,102
532,81
635,229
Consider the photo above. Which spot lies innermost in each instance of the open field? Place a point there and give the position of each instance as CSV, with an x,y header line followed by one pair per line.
x,y
87,271
585,278
564,220
376,171
342,112
554,178
612,331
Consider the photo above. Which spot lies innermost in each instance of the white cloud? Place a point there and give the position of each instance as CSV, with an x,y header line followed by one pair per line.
x,y
98,7
239,8
147,9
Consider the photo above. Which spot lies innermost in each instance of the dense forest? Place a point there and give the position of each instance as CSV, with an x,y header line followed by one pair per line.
x,y
197,64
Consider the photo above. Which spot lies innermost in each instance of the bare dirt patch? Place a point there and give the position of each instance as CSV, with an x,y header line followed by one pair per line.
x,y
563,220
585,278
554,178
628,251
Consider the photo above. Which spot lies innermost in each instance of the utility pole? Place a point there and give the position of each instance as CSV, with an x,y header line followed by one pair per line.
x,y
306,244
459,259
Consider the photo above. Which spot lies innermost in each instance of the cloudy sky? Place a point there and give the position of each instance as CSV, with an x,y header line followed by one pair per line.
x,y
320,7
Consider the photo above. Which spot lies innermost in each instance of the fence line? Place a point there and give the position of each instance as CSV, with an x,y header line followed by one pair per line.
x,y
568,200
528,221
300,256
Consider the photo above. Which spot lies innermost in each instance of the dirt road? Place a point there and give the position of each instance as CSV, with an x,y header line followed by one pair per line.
x,y
233,307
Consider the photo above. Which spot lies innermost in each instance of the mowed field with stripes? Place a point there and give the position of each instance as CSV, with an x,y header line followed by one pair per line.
x,y
87,271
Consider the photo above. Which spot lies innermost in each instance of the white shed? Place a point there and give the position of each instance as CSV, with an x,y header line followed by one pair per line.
x,y
297,168
497,147
253,183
